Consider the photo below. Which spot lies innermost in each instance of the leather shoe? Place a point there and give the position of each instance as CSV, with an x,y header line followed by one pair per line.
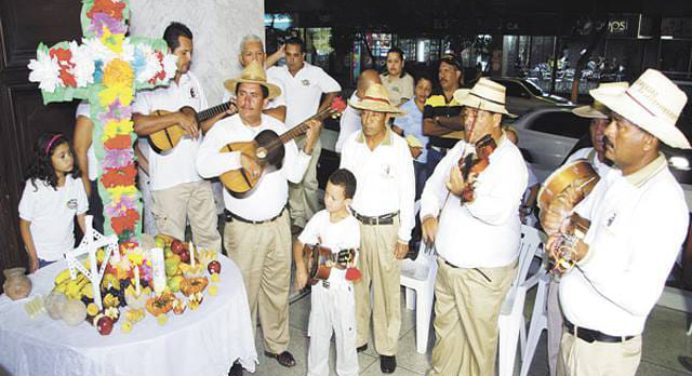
x,y
387,364
285,358
236,369
362,348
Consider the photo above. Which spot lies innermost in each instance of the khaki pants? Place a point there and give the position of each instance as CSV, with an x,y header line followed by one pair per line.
x,y
303,199
193,202
554,326
263,255
381,271
580,358
466,313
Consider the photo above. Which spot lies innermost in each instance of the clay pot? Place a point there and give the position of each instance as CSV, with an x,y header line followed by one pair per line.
x,y
17,285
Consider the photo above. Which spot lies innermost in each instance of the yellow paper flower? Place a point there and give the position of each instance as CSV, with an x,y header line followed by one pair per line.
x,y
118,79
117,127
114,42
135,258
116,192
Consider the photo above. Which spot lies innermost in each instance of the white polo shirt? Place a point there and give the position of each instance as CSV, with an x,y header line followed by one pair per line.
x,y
273,103
176,166
384,176
348,124
271,193
84,109
303,91
590,155
51,213
638,224
486,232
337,236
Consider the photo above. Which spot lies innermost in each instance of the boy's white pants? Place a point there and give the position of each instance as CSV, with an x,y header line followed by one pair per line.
x,y
332,310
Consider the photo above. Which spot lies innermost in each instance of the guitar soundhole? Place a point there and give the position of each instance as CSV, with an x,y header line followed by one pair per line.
x,y
261,153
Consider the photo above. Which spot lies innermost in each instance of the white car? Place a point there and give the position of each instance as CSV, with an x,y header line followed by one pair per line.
x,y
524,96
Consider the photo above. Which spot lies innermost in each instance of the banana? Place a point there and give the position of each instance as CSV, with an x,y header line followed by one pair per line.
x,y
62,286
87,291
62,276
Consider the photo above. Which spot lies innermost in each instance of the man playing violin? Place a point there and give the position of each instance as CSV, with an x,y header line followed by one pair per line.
x,y
476,235
638,221
179,194
257,235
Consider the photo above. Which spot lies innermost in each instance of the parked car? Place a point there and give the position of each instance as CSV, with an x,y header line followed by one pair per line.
x,y
547,136
524,96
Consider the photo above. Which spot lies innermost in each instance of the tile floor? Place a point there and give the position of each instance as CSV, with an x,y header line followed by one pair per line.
x,y
664,341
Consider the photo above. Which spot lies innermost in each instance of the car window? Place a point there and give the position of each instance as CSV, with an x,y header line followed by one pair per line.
x,y
514,89
562,123
533,88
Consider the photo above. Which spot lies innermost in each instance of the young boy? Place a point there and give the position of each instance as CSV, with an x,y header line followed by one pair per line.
x,y
332,301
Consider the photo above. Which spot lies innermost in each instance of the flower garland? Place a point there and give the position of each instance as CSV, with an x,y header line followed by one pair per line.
x,y
106,70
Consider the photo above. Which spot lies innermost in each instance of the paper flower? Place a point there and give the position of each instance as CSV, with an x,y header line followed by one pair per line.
x,y
118,142
100,22
116,111
113,41
170,66
111,8
64,57
99,51
118,158
84,67
147,63
117,127
46,71
122,224
121,207
117,192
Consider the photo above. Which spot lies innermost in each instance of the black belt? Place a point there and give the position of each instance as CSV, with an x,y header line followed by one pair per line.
x,y
386,219
231,217
590,335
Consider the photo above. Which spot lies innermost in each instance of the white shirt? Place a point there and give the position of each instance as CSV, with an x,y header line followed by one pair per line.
x,y
85,110
270,195
638,224
303,91
486,232
51,213
385,179
338,236
590,155
412,124
176,166
273,103
348,124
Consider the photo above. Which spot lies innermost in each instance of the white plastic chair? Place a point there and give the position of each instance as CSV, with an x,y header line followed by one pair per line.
x,y
419,279
539,317
511,321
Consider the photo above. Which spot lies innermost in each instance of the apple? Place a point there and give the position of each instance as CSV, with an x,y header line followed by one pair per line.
x,y
178,247
214,267
184,256
104,325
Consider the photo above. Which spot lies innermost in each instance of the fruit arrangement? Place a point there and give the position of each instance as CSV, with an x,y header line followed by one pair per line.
x,y
127,286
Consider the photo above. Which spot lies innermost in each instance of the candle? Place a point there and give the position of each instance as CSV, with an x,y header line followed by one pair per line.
x,y
192,254
158,269
137,287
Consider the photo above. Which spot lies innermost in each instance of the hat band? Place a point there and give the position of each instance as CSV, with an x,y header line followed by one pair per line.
x,y
376,99
640,104
487,99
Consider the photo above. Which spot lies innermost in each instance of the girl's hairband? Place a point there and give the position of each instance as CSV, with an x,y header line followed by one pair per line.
x,y
52,140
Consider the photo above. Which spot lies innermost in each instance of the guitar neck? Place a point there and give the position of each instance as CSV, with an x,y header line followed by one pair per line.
x,y
303,127
213,111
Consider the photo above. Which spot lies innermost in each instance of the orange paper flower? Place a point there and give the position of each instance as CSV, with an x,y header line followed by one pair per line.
x,y
119,177
118,142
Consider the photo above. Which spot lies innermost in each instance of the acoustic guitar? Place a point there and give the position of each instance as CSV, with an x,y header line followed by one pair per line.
x,y
167,138
267,151
320,261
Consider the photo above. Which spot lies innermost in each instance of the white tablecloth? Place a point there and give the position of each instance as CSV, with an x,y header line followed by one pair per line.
x,y
201,342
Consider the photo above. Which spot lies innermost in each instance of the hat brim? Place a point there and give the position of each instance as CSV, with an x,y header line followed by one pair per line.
x,y
232,84
376,106
589,113
618,101
466,99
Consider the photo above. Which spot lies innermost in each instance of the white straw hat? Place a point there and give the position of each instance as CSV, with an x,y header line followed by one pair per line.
x,y
485,95
597,110
653,103
376,99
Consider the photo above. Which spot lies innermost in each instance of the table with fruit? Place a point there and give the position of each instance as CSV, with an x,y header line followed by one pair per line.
x,y
197,322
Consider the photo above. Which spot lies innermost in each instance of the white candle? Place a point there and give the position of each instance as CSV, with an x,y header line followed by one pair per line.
x,y
158,269
137,287
192,254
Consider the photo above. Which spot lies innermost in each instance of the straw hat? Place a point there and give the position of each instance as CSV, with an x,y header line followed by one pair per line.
x,y
485,95
653,103
253,74
376,99
597,110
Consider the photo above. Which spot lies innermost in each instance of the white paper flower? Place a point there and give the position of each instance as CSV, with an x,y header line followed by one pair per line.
x,y
128,52
170,65
98,50
146,62
45,71
83,60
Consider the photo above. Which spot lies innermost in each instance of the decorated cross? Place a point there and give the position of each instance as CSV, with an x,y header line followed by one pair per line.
x,y
106,70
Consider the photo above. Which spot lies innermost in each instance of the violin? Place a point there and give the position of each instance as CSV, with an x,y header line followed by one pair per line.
x,y
476,163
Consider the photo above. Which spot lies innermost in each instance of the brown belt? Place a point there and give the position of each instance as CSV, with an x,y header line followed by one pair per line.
x,y
385,219
230,217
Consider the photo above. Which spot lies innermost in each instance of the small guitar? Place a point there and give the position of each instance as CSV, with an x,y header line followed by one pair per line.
x,y
166,139
320,261
267,150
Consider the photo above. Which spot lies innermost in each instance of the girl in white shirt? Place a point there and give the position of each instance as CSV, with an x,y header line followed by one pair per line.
x,y
52,197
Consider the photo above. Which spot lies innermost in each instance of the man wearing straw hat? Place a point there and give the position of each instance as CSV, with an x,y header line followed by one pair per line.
x,y
381,161
257,235
638,221
477,241
595,155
